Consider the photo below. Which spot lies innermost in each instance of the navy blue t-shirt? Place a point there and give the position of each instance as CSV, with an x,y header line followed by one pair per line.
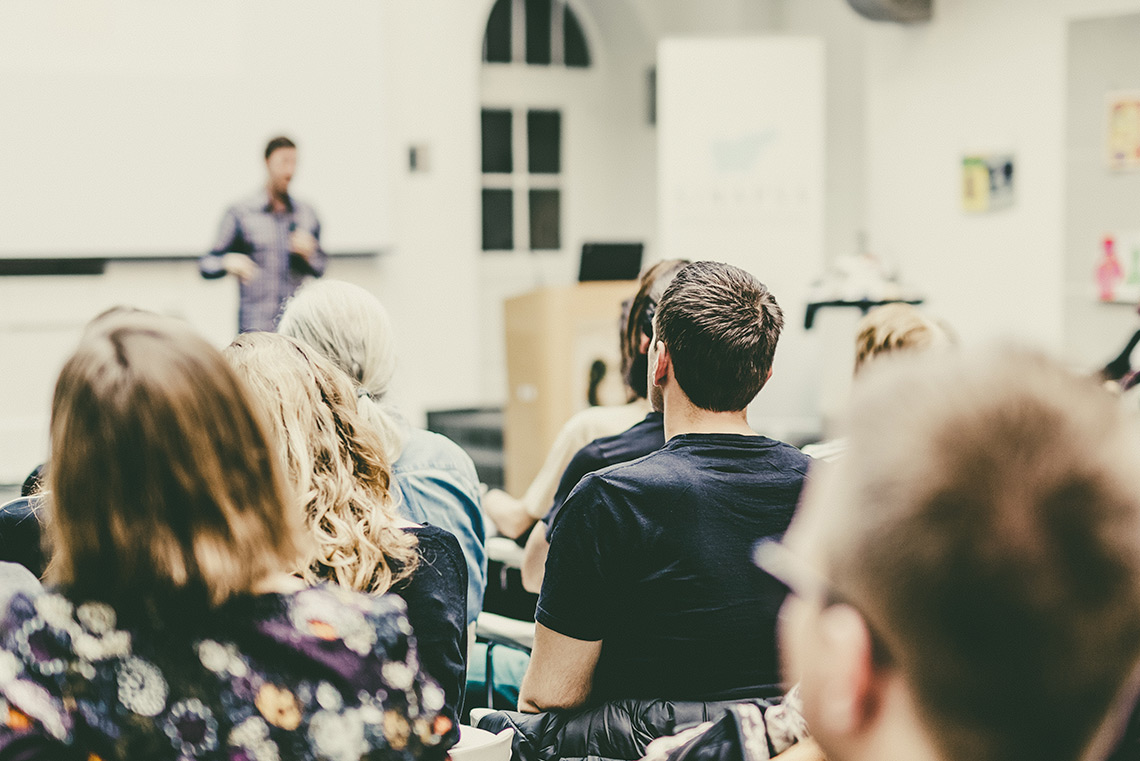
x,y
654,557
637,441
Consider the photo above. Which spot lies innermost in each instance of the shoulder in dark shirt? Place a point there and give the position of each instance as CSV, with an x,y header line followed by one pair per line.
x,y
654,558
436,596
637,441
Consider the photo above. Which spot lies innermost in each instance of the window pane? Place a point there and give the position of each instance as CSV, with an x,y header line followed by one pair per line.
x,y
497,40
544,142
497,141
545,232
538,19
498,220
575,40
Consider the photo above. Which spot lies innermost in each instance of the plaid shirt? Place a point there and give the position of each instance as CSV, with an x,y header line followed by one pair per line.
x,y
251,227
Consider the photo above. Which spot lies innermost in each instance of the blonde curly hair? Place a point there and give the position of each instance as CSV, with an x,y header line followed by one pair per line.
x,y
350,327
335,460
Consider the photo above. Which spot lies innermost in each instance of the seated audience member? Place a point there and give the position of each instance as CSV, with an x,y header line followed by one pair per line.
x,y
434,481
22,533
514,517
337,467
884,331
34,483
966,579
649,590
176,629
648,435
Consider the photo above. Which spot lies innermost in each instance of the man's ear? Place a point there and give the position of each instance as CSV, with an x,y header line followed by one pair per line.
x,y
661,369
851,686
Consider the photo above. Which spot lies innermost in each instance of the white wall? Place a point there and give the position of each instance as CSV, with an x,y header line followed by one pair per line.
x,y
364,74
1103,57
129,125
843,34
432,52
686,18
608,179
982,76
43,317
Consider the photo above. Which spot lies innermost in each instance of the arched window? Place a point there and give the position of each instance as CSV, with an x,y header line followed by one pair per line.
x,y
536,32
522,145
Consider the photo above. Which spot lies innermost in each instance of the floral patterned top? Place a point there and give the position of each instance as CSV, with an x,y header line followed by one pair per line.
x,y
317,674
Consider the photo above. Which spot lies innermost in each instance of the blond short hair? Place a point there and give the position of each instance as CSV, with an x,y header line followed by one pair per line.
x,y
895,327
163,483
334,459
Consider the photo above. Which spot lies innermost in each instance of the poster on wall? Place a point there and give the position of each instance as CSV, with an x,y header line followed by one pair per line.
x,y
741,130
1123,139
987,182
1118,267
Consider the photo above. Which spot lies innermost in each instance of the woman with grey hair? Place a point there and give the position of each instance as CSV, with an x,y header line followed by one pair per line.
x,y
434,480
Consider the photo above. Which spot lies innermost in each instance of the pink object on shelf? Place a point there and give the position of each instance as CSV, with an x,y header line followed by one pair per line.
x,y
1108,272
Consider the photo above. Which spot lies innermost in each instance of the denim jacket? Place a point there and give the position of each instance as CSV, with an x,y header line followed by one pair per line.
x,y
437,484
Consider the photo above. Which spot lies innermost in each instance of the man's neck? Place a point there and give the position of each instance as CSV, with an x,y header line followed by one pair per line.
x,y
898,736
901,747
682,416
278,202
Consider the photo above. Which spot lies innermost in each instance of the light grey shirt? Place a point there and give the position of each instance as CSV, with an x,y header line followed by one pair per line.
x,y
252,228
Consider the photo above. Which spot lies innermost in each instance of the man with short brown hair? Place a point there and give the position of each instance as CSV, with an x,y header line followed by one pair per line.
x,y
649,590
966,580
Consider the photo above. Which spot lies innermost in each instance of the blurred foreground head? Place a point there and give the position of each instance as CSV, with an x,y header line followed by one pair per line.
x,y
164,488
975,561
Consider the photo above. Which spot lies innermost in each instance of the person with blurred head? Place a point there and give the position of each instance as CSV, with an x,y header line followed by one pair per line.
x,y
174,627
645,436
341,482
649,590
270,241
884,331
514,517
433,479
965,581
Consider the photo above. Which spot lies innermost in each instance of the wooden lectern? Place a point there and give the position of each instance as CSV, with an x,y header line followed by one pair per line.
x,y
553,336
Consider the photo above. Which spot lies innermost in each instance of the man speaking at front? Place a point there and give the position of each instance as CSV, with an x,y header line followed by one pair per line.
x,y
269,241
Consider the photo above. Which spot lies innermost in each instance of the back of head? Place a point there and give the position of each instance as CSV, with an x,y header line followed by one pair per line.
x,y
350,327
895,327
333,458
987,521
164,488
639,323
721,326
